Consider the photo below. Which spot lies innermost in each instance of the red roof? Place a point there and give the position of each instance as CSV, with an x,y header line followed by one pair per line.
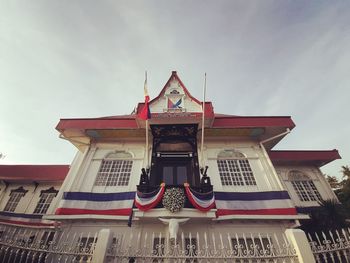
x,y
318,158
98,123
253,121
40,173
127,122
80,131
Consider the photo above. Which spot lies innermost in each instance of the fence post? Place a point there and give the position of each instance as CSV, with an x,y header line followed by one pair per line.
x,y
104,239
301,245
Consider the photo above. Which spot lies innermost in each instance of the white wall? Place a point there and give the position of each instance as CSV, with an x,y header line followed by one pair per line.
x,y
85,170
314,174
30,200
264,173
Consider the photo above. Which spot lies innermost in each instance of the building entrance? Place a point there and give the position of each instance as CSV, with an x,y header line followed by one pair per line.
x,y
174,156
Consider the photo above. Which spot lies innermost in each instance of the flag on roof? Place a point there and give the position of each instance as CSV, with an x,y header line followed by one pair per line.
x,y
145,113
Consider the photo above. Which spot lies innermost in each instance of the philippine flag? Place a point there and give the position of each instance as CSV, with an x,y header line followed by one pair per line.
x,y
145,113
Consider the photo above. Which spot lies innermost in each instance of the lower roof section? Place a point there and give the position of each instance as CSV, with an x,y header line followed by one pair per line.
x,y
31,173
303,157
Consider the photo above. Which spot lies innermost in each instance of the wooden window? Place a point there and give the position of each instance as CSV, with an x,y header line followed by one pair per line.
x,y
115,170
175,172
15,197
85,246
304,187
234,169
46,197
44,203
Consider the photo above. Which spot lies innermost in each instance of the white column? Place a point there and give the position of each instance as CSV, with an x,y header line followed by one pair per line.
x,y
301,245
104,239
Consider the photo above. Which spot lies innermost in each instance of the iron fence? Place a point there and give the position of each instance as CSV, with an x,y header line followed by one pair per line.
x,y
26,245
201,248
331,246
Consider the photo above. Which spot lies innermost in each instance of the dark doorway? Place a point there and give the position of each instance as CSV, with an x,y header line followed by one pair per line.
x,y
174,156
175,171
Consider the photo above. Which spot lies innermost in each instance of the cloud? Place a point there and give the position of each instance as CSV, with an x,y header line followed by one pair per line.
x,y
87,58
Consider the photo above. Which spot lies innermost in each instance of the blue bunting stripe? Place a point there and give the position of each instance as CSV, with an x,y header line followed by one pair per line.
x,y
204,204
254,203
145,204
30,220
78,203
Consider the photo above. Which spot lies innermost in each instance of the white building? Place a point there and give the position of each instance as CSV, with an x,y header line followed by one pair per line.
x,y
257,191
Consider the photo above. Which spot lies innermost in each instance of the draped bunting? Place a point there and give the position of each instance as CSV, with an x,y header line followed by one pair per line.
x,y
254,203
202,201
30,220
226,203
147,201
80,203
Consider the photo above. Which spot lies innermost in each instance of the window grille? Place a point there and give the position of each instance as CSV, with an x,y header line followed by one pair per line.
x,y
234,169
12,203
44,203
304,187
191,249
114,172
189,246
158,246
85,245
261,246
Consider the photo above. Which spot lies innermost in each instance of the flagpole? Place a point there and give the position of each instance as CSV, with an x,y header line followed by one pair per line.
x,y
146,91
203,110
147,151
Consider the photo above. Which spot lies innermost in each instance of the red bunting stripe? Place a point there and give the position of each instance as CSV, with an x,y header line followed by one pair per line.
x,y
201,205
77,211
145,204
275,211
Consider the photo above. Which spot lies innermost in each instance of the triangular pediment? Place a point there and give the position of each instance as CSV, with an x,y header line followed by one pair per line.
x,y
175,98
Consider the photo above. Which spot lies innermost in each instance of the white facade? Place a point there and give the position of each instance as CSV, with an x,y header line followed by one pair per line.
x,y
252,195
305,174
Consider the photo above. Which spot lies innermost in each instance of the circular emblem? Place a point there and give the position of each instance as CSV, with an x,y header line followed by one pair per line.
x,y
174,199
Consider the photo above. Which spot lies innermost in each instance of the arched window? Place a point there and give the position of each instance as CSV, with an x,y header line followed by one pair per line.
x,y
115,170
234,169
15,196
46,197
304,186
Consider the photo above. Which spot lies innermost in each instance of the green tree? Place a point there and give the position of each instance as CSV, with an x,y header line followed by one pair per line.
x,y
329,216
346,172
343,193
333,181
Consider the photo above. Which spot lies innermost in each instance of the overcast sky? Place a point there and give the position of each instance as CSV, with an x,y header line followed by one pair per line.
x,y
69,59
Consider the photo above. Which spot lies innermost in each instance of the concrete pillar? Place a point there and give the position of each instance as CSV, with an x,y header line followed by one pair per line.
x,y
301,245
104,240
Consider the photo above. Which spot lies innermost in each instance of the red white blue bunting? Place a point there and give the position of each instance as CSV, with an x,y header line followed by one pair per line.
x,y
82,203
254,203
202,201
147,201
28,220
